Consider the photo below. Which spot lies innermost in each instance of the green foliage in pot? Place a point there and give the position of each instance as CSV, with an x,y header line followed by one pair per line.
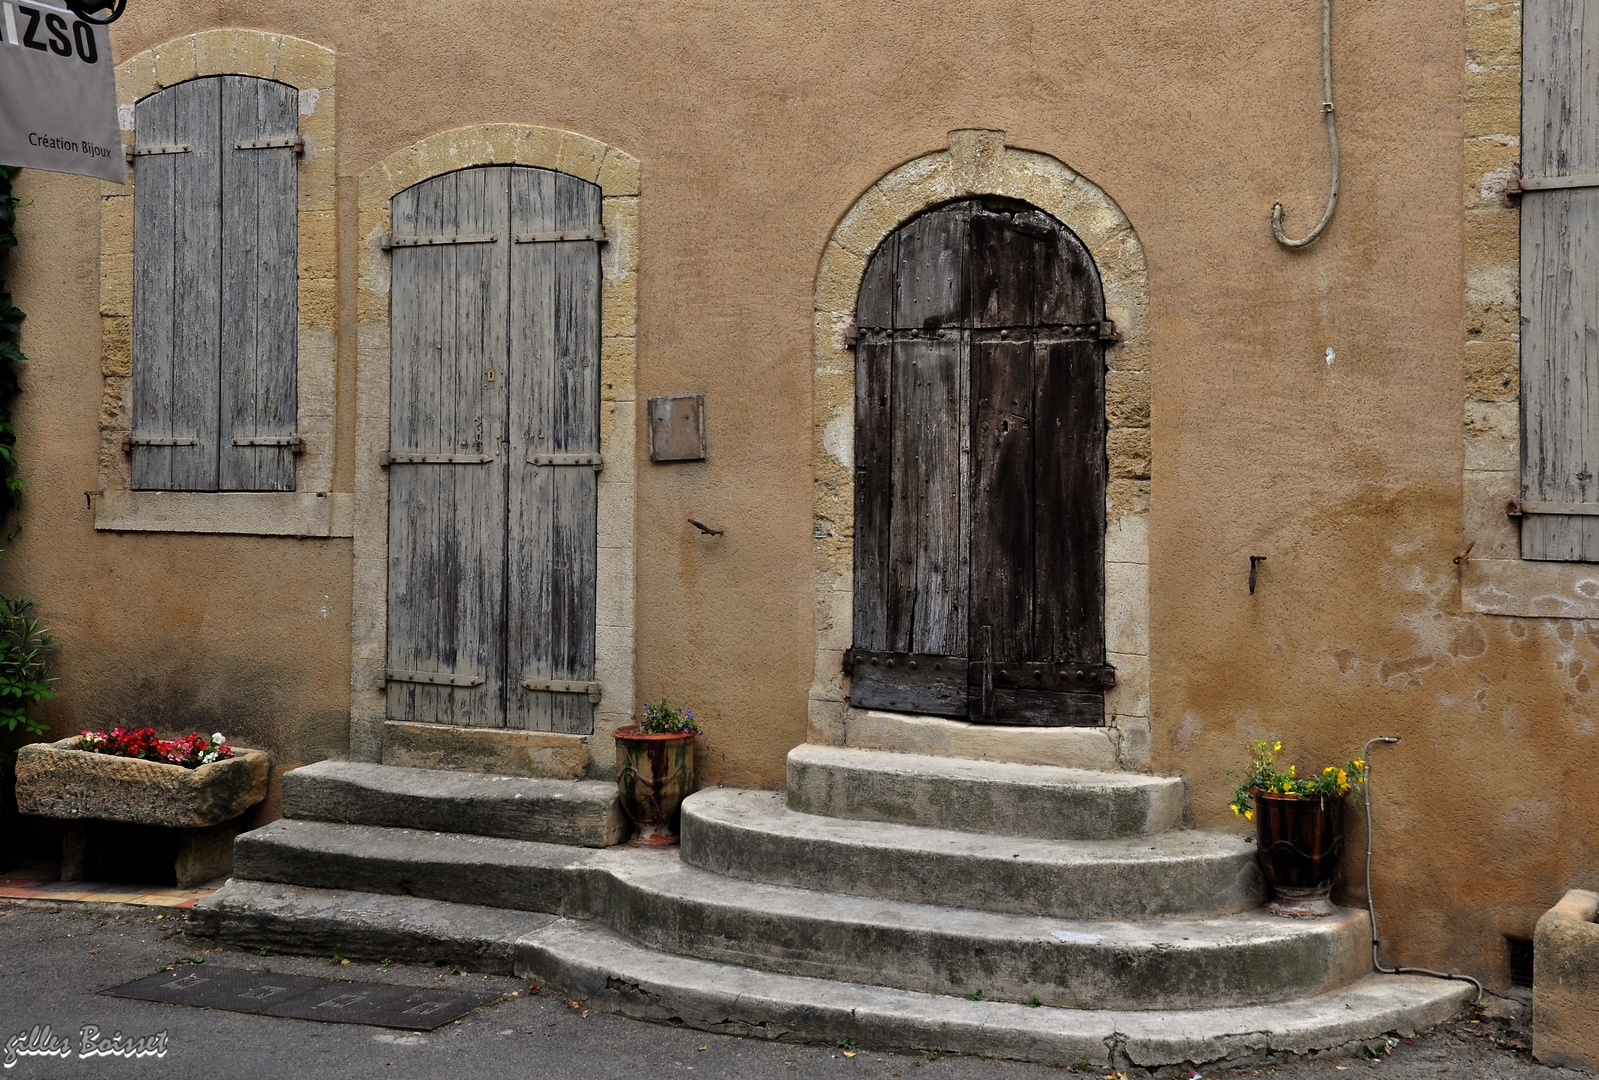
x,y
25,678
668,719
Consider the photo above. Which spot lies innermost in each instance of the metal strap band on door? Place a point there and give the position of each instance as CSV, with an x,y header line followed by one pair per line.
x,y
592,461
422,457
1583,509
293,442
432,241
152,149
597,235
281,142
432,678
563,686
161,440
1555,183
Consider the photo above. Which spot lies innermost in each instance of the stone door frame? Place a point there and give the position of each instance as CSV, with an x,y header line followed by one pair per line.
x,y
979,163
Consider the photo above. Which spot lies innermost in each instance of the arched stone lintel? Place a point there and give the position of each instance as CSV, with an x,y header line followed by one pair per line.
x,y
978,162
618,175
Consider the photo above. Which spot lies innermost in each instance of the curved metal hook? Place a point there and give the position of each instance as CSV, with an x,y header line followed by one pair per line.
x,y
1332,139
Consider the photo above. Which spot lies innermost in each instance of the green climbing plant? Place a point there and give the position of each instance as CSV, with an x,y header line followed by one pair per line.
x,y
25,646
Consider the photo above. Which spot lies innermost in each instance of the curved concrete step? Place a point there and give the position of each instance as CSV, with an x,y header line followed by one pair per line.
x,y
753,835
586,962
1005,799
657,901
581,812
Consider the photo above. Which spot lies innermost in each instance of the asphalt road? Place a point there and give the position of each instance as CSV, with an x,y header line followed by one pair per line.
x,y
56,962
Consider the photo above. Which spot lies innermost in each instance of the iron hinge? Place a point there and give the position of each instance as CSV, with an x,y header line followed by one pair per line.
x,y
564,686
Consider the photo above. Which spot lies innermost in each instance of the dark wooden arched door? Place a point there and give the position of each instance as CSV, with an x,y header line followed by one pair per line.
x,y
980,471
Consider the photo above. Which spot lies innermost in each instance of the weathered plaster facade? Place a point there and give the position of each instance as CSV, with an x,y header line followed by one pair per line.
x,y
1305,406
979,163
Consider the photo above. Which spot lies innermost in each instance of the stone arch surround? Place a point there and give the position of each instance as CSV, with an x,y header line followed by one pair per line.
x,y
617,174
978,162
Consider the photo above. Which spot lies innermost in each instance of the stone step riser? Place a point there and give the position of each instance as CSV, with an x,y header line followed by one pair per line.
x,y
1116,885
983,797
689,913
586,962
578,813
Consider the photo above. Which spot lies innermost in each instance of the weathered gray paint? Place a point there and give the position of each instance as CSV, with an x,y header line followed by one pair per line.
x,y
1560,277
495,353
215,287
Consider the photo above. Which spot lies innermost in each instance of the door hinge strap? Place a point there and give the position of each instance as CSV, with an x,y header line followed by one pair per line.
x,y
293,442
593,461
596,235
1553,183
419,457
1575,509
432,678
278,142
159,440
391,241
564,686
152,149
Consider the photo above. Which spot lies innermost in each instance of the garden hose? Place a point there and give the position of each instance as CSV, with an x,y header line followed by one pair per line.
x,y
1371,904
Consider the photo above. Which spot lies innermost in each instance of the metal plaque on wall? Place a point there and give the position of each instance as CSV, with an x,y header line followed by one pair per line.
x,y
58,93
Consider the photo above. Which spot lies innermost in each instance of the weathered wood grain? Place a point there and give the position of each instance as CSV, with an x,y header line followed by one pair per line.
x,y
154,263
1068,484
260,277
907,682
1560,278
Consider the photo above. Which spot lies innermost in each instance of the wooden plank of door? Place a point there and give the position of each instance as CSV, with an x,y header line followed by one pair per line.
x,y
1003,269
1002,587
1043,708
873,454
914,683
197,282
154,262
259,284
555,408
1069,485
1066,286
931,269
447,523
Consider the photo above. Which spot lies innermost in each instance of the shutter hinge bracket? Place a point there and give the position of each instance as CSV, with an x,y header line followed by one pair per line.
x,y
418,457
596,235
130,441
152,149
430,678
294,442
390,241
277,142
564,686
592,461
1108,332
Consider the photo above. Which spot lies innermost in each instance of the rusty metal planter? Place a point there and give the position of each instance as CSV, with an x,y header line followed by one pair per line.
x,y
1299,842
654,774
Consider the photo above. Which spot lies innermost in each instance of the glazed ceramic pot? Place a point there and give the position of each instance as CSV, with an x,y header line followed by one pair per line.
x,y
1299,842
654,774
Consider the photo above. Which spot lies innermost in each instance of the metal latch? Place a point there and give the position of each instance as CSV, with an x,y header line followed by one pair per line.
x,y
1108,332
563,686
593,461
390,241
1525,507
431,678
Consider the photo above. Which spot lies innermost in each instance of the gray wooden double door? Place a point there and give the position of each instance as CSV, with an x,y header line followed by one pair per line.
x,y
494,450
980,471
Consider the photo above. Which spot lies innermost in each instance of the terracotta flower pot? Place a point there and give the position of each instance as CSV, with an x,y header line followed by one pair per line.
x,y
654,774
1299,843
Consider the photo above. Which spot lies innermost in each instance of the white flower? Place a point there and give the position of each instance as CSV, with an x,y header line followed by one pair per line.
x,y
216,737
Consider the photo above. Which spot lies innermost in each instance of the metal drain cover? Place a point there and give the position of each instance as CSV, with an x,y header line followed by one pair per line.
x,y
301,997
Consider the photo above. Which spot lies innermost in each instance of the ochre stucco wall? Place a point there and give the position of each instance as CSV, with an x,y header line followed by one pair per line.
x,y
758,126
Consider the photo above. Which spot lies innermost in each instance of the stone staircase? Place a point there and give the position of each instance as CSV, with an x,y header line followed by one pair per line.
x,y
896,900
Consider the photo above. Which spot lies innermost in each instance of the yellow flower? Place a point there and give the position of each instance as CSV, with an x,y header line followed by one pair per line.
x,y
1293,772
1343,777
1328,771
1359,764
1277,747
1236,811
1249,815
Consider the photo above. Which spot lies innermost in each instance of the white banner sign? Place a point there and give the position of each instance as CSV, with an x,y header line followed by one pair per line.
x,y
58,93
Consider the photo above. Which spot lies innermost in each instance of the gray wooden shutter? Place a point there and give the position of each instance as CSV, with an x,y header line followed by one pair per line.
x,y
447,462
215,276
260,277
554,450
1560,280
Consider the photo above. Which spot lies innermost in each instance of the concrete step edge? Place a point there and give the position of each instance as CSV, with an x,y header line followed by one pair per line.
x,y
754,836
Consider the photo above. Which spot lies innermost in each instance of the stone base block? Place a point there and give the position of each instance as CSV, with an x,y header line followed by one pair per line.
x,y
486,750
1565,983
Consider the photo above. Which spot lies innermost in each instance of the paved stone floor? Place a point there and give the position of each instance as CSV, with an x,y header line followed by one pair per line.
x,y
55,958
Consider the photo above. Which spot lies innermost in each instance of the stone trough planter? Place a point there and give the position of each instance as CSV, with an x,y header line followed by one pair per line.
x,y
1565,983
57,781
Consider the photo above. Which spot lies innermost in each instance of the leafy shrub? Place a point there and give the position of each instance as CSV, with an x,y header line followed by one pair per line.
x,y
665,719
24,673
